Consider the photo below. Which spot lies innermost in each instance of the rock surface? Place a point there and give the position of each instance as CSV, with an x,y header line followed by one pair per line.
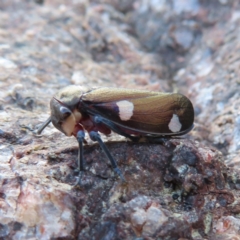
x,y
183,189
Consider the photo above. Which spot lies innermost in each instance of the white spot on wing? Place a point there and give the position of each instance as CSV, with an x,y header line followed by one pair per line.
x,y
175,124
125,109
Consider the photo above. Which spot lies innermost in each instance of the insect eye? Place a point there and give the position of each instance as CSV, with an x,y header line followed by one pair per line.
x,y
66,112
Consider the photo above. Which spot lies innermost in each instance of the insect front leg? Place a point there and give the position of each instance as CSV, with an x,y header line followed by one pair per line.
x,y
96,137
80,166
80,138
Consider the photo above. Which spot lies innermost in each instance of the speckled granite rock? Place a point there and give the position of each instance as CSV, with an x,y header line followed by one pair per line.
x,y
180,190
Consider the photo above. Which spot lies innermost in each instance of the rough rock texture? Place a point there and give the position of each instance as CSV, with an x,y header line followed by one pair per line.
x,y
181,189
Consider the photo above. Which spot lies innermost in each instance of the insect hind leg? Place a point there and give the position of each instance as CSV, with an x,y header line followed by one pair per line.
x,y
96,137
161,139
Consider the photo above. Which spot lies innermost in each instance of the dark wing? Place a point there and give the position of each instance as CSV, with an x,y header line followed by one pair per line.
x,y
142,111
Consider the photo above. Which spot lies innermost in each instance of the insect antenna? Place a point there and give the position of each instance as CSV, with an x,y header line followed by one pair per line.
x,y
41,128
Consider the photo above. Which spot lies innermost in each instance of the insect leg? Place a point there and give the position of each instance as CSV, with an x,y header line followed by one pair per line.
x,y
161,140
96,137
80,138
112,126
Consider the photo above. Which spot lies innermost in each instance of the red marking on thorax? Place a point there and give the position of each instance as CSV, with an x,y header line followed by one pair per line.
x,y
77,128
88,124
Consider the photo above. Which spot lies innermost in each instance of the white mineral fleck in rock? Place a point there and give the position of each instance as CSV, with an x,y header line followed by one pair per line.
x,y
138,218
7,63
155,218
